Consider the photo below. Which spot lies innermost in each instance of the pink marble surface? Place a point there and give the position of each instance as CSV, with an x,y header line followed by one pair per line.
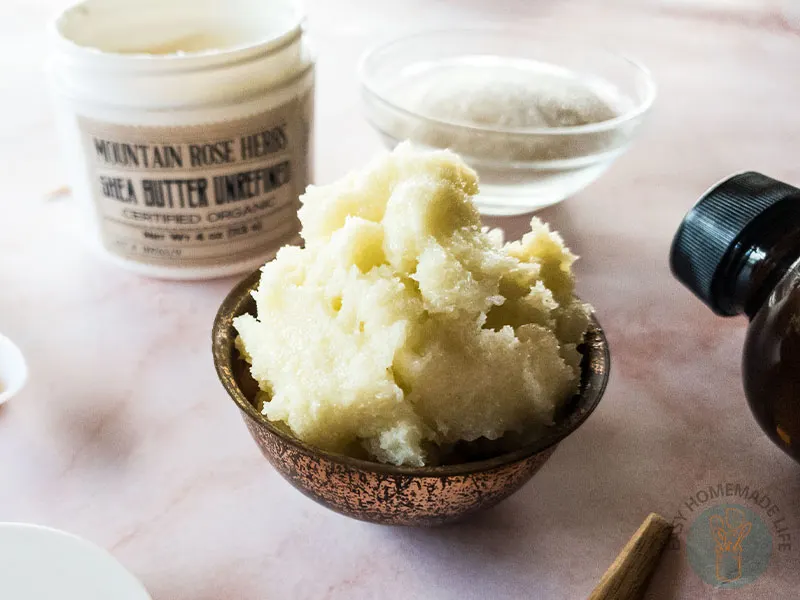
x,y
124,435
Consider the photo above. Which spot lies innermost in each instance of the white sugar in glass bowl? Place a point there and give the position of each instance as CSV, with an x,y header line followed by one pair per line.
x,y
539,117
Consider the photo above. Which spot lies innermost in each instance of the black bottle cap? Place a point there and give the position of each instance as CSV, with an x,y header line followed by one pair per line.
x,y
715,225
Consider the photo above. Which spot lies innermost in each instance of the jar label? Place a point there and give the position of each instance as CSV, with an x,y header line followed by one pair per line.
x,y
198,195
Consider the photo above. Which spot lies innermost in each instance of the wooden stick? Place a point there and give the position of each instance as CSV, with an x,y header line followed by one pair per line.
x,y
628,575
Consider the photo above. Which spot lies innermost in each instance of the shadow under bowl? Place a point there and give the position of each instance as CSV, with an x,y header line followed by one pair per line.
x,y
388,494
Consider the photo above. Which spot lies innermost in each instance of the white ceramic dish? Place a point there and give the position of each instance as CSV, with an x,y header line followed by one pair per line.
x,y
39,563
13,370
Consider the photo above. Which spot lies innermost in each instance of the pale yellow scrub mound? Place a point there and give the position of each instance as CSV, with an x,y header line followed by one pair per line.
x,y
402,326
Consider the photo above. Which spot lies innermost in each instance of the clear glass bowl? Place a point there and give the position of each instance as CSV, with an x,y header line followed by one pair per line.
x,y
522,167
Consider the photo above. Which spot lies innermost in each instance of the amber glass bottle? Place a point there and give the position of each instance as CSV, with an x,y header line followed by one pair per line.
x,y
738,250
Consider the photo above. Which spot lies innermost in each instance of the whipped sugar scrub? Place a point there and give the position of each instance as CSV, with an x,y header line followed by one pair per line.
x,y
403,327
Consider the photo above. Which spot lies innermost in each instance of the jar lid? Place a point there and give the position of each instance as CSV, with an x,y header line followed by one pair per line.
x,y
714,226
152,35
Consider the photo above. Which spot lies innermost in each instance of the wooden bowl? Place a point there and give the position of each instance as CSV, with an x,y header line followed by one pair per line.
x,y
387,494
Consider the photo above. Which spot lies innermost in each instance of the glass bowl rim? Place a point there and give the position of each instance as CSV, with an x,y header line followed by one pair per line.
x,y
367,85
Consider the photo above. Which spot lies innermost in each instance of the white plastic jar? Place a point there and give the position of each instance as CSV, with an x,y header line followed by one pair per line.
x,y
187,127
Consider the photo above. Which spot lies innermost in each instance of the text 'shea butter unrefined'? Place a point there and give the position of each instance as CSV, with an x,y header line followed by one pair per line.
x,y
187,129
